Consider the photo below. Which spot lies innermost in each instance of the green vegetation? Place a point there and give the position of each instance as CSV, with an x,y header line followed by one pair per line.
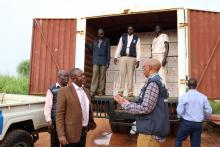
x,y
23,68
15,85
215,104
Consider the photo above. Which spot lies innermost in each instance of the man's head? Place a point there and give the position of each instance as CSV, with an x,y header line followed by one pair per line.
x,y
151,66
192,83
77,76
130,30
158,29
100,33
63,77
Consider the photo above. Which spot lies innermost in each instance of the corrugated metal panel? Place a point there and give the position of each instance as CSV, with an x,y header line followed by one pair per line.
x,y
53,48
204,51
88,67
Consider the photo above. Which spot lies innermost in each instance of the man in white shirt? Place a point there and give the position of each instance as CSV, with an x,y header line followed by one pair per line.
x,y
193,107
160,50
129,51
50,105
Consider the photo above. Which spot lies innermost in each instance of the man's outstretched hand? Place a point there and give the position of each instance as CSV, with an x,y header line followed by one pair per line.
x,y
120,100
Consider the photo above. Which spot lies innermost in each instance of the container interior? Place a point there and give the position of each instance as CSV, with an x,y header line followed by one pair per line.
x,y
144,24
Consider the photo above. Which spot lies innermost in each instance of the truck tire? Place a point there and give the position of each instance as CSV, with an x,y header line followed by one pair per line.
x,y
18,138
116,128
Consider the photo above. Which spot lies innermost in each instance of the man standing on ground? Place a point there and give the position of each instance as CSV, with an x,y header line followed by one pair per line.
x,y
152,116
129,51
101,61
193,107
74,111
50,105
160,50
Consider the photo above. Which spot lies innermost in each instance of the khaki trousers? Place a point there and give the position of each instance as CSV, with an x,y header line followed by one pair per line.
x,y
127,67
147,141
98,79
163,70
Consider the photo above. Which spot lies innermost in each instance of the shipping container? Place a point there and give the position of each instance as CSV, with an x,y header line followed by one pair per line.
x,y
194,47
194,39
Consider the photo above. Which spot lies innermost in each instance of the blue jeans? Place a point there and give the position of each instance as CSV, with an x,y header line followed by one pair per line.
x,y
194,129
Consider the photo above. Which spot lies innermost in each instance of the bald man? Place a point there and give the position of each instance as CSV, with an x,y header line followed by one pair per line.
x,y
151,109
50,105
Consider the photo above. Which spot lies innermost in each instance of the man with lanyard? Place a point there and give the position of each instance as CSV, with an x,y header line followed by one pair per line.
x,y
151,109
129,51
50,105
160,50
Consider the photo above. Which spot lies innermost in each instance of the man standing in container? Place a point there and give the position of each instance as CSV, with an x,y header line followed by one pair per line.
x,y
193,107
129,51
151,109
74,115
101,61
160,50
50,105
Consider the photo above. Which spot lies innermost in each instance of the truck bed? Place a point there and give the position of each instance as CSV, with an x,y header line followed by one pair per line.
x,y
15,100
21,111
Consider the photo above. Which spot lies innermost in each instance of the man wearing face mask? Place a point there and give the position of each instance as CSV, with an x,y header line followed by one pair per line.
x,y
129,51
50,105
101,60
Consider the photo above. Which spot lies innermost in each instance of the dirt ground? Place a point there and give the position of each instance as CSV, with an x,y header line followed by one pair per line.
x,y
103,137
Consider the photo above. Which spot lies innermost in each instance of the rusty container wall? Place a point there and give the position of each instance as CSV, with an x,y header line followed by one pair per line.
x,y
53,48
88,67
204,51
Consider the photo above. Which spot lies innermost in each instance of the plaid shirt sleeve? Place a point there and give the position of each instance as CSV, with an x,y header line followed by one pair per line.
x,y
149,101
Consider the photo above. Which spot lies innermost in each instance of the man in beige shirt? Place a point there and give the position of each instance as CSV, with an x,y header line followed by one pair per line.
x,y
129,52
160,50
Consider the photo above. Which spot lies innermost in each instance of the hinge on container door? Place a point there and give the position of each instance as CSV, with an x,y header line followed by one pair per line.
x,y
183,81
81,33
127,11
182,25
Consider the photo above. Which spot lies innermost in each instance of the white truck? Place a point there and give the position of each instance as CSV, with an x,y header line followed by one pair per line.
x,y
21,119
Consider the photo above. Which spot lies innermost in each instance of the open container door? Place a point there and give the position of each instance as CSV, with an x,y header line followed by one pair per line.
x,y
182,32
53,48
204,51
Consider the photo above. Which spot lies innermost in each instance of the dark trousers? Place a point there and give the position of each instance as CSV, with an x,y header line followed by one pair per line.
x,y
81,143
54,141
194,129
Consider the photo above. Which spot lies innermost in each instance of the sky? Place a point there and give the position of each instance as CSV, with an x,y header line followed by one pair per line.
x,y
17,15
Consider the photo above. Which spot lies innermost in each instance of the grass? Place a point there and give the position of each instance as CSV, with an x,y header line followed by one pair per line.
x,y
13,84
215,104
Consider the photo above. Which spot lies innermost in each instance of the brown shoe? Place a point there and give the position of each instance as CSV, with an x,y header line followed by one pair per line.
x,y
120,93
100,94
92,94
130,95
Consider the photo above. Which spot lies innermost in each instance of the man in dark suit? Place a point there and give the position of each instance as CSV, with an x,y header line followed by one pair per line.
x,y
101,60
74,115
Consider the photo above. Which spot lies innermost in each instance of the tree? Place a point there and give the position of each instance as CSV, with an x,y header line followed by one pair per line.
x,y
23,68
